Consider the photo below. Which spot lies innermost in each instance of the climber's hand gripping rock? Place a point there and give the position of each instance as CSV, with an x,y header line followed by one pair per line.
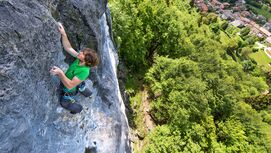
x,y
61,29
56,70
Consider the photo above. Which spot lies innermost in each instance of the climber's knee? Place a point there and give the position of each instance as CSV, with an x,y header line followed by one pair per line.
x,y
70,104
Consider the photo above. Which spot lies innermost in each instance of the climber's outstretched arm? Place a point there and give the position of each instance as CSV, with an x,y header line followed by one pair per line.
x,y
65,41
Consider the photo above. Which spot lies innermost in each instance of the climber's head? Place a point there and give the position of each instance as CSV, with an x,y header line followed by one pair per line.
x,y
89,57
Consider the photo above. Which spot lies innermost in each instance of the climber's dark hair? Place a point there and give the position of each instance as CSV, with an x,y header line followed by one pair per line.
x,y
91,57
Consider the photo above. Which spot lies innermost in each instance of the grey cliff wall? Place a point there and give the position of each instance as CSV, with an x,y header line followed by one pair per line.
x,y
31,119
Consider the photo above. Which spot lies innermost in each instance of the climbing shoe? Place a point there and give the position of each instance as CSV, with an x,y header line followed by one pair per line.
x,y
82,86
86,93
84,90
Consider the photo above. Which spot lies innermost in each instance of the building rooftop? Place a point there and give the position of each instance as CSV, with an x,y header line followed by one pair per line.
x,y
238,23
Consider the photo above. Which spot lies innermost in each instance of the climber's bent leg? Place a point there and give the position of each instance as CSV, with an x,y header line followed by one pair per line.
x,y
84,90
68,102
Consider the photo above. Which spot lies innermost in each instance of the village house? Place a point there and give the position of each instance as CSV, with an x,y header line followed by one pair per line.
x,y
261,19
265,32
225,5
236,9
240,18
215,2
201,6
238,23
267,25
213,5
245,20
227,15
256,29
237,16
246,14
268,40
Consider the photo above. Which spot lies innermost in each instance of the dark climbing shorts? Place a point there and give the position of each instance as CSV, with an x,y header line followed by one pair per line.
x,y
67,101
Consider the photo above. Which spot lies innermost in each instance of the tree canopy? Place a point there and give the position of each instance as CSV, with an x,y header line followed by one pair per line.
x,y
199,77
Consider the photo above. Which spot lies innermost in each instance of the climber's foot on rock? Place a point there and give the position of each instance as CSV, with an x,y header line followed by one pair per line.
x,y
86,93
74,108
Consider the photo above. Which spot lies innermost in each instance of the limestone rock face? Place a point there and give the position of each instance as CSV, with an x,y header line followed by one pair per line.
x,y
31,118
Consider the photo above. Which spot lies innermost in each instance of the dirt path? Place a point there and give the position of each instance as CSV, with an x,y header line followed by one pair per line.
x,y
146,124
146,108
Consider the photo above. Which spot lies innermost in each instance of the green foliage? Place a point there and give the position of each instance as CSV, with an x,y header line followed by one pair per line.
x,y
262,59
232,31
246,51
210,18
249,65
266,115
251,39
260,11
245,31
230,1
186,95
163,140
259,102
267,1
254,3
143,29
199,75
173,79
224,25
129,32
257,131
232,134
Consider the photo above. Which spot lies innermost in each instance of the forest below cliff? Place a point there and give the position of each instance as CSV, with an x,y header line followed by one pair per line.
x,y
206,93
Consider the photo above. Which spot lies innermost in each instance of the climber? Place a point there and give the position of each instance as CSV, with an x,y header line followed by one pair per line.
x,y
73,80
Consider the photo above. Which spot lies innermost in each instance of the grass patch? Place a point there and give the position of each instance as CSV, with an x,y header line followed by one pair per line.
x,y
262,59
133,85
134,81
136,104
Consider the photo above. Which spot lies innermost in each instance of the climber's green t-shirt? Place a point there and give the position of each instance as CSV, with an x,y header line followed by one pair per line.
x,y
81,72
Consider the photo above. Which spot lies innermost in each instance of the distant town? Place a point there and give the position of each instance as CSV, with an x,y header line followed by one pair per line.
x,y
238,15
